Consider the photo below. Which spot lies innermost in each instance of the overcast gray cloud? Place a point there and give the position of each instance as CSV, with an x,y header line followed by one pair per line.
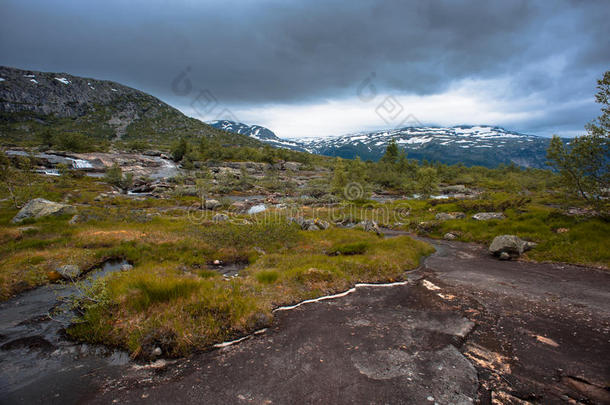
x,y
291,57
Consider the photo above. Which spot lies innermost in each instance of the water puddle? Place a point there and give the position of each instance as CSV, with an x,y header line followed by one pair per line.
x,y
229,269
33,345
255,209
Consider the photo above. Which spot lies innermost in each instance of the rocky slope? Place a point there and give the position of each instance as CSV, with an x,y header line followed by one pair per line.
x,y
32,102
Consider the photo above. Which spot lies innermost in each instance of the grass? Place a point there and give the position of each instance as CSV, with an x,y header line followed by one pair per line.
x,y
195,311
173,300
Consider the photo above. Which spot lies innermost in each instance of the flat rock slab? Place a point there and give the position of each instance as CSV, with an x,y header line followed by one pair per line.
x,y
377,345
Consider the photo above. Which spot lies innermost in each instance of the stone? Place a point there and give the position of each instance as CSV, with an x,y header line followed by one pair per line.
x,y
562,230
157,352
212,204
456,189
125,267
504,256
69,271
309,225
449,236
445,216
509,244
39,207
369,226
321,224
74,220
220,218
485,216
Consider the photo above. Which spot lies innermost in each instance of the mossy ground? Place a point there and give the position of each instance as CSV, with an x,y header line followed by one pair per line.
x,y
173,299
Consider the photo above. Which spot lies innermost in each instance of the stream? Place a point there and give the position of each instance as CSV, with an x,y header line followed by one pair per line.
x,y
34,350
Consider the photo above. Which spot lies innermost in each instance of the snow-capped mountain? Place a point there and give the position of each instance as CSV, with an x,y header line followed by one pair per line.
x,y
257,132
471,145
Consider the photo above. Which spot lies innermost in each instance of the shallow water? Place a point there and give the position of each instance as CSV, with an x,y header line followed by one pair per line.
x,y
255,209
33,346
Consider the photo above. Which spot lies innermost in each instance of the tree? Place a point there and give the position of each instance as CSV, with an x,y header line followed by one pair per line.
x,y
115,177
427,181
179,149
391,153
17,178
339,180
583,163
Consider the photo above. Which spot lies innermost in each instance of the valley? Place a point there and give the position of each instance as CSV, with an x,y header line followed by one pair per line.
x,y
143,251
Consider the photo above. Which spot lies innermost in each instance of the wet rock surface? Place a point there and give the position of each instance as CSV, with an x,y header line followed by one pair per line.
x,y
39,363
465,328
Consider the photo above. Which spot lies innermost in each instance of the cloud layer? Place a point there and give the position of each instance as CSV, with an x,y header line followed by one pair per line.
x,y
296,66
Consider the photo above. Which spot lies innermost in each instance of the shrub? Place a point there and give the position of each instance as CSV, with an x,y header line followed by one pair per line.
x,y
267,276
357,248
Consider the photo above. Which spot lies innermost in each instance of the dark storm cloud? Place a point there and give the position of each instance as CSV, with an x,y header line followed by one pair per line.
x,y
250,52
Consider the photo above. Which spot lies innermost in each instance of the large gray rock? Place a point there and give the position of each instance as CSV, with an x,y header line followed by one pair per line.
x,y
445,216
69,271
310,224
212,204
39,207
486,216
368,226
509,245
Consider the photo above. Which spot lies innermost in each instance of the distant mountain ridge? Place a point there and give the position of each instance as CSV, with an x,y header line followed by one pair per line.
x,y
471,145
259,133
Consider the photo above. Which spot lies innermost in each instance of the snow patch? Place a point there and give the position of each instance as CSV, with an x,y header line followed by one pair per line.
x,y
62,80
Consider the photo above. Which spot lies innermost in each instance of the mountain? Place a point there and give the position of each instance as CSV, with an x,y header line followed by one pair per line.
x,y
471,145
259,133
34,102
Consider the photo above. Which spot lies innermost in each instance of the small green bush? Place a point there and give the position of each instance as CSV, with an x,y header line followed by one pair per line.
x,y
267,276
357,248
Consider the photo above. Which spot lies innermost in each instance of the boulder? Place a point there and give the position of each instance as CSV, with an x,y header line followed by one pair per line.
x,y
445,216
39,207
321,224
310,224
509,245
125,267
449,236
456,189
212,204
485,216
69,271
220,218
368,226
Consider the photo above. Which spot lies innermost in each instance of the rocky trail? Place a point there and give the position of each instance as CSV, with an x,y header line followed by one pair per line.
x,y
464,328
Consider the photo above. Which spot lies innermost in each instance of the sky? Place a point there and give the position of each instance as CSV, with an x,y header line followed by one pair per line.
x,y
310,68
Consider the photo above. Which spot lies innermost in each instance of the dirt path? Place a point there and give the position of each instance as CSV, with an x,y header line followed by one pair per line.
x,y
466,328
